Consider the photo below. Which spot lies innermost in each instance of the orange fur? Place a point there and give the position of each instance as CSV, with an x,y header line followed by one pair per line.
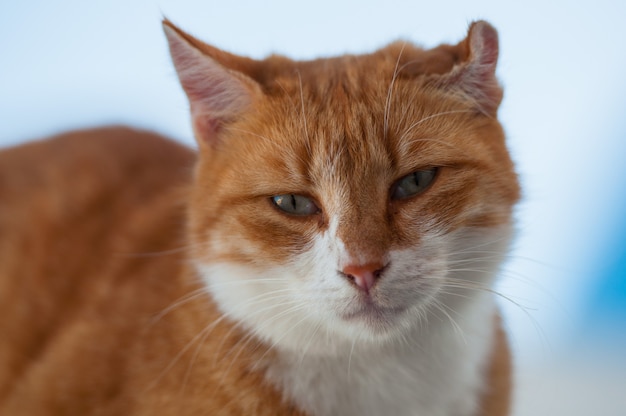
x,y
101,312
92,231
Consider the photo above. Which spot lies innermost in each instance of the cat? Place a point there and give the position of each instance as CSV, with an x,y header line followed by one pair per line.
x,y
329,249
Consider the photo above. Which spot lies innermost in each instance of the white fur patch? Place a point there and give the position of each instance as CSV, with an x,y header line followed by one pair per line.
x,y
417,347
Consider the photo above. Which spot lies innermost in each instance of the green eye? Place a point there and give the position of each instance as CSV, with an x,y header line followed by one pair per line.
x,y
295,204
413,184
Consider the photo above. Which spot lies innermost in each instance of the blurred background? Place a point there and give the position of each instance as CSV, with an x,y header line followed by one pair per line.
x,y
70,64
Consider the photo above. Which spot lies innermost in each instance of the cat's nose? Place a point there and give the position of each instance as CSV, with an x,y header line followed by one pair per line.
x,y
364,276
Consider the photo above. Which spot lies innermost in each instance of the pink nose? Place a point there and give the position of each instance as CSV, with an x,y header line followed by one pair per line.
x,y
364,276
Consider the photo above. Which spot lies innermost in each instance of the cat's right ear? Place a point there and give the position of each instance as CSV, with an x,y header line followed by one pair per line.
x,y
217,95
475,76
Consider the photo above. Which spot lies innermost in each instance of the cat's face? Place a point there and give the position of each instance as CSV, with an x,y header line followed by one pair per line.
x,y
348,201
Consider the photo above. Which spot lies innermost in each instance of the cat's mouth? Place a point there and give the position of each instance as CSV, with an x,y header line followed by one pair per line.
x,y
375,314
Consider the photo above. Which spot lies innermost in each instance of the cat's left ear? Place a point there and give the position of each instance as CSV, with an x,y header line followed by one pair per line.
x,y
218,92
475,77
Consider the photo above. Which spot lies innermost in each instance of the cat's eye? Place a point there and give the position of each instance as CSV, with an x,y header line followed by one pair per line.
x,y
413,183
295,204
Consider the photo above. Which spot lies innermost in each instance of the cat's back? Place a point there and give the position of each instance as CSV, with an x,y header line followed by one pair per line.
x,y
89,181
76,168
74,208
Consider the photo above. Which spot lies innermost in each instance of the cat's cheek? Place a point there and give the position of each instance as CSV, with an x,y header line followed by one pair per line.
x,y
264,301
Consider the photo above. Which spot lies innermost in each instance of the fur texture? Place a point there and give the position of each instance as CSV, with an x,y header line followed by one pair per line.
x,y
330,252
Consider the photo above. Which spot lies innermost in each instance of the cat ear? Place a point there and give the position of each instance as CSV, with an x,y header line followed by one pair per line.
x,y
217,94
476,76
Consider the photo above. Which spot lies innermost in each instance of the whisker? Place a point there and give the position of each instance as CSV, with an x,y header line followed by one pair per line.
x,y
441,307
193,360
177,303
350,356
462,284
282,87
252,134
202,335
236,282
182,352
305,350
276,342
236,325
430,117
187,248
148,254
254,334
465,285
389,94
303,112
255,331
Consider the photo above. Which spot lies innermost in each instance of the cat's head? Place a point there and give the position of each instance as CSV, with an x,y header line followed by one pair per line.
x,y
347,199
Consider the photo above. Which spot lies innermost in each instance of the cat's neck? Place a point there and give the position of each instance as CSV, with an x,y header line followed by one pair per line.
x,y
437,369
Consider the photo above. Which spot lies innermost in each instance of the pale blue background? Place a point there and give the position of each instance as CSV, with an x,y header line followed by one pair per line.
x,y
66,64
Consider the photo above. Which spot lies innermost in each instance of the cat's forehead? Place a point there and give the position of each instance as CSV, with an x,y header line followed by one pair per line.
x,y
327,139
357,103
360,117
354,73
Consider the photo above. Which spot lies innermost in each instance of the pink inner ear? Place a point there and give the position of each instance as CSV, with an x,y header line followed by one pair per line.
x,y
476,78
205,128
215,97
484,44
216,94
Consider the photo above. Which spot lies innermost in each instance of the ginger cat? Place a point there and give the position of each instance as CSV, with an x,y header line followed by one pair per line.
x,y
328,250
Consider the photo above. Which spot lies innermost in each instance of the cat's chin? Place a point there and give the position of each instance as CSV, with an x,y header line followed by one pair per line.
x,y
370,316
376,324
366,325
364,332
374,315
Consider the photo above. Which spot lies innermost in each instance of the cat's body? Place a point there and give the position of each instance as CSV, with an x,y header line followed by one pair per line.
x,y
306,269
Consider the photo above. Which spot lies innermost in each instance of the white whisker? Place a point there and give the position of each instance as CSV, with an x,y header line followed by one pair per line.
x,y
389,94
307,143
179,302
251,133
430,117
441,307
255,334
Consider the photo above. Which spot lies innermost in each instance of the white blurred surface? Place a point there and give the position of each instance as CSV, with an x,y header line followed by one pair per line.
x,y
581,383
69,64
